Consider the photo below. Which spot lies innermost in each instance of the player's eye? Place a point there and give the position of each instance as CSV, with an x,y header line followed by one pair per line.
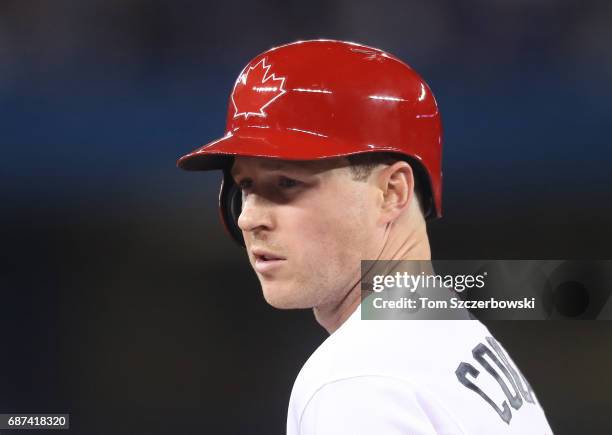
x,y
243,184
287,183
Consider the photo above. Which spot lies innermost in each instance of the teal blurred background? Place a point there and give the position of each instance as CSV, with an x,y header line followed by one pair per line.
x,y
124,303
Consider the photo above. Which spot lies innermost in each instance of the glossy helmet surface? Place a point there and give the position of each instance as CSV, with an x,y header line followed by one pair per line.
x,y
321,99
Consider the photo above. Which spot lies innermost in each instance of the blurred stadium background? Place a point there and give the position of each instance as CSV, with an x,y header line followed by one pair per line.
x,y
124,303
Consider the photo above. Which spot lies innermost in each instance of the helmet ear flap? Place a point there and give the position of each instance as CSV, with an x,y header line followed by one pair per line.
x,y
230,206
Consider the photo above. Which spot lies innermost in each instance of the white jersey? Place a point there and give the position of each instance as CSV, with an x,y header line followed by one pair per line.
x,y
412,377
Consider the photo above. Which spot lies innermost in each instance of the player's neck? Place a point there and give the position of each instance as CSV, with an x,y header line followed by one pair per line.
x,y
398,244
332,317
406,239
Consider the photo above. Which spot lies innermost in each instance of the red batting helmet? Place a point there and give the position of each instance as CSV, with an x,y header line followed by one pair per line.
x,y
320,99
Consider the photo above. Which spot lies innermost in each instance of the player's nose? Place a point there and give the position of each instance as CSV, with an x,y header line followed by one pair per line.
x,y
256,213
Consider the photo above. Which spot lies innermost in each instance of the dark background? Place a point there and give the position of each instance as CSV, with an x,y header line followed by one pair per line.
x,y
124,303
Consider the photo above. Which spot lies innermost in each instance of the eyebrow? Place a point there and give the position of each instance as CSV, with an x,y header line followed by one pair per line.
x,y
274,165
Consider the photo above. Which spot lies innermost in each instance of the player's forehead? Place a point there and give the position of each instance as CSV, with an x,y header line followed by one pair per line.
x,y
243,165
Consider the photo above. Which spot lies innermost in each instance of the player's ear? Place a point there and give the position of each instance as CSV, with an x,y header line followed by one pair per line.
x,y
397,186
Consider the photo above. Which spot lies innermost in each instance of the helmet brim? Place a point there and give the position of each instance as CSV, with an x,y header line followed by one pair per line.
x,y
288,144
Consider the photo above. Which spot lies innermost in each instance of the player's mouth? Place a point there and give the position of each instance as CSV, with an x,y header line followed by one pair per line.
x,y
265,261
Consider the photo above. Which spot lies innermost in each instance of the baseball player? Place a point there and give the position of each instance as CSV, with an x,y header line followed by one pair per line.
x,y
332,155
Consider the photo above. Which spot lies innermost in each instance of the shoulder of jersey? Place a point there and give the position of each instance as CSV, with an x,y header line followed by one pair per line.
x,y
418,352
424,357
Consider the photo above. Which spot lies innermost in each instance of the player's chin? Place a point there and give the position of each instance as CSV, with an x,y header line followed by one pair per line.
x,y
282,297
